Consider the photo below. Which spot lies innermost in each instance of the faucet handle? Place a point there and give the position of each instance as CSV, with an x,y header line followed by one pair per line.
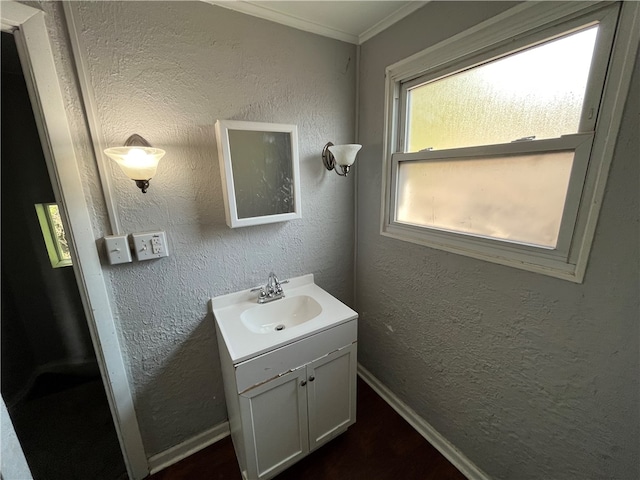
x,y
279,286
262,294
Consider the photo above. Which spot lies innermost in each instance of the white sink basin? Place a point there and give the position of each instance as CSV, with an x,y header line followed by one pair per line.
x,y
281,314
250,329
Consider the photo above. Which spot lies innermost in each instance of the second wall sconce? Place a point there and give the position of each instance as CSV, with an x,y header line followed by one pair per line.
x,y
137,159
343,156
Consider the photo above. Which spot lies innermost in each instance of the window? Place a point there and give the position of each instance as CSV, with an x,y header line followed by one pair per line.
x,y
539,89
53,233
496,139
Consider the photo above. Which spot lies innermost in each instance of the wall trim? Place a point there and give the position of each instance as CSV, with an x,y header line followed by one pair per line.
x,y
91,111
424,428
172,455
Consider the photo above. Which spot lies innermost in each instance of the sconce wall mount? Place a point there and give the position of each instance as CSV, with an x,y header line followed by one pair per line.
x,y
137,159
343,156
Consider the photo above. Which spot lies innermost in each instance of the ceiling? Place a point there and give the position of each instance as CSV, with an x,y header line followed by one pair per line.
x,y
350,21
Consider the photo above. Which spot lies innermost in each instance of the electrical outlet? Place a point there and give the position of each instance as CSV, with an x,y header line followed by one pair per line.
x,y
156,245
150,245
118,250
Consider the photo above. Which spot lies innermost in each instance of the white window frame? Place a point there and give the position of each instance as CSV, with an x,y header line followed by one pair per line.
x,y
515,29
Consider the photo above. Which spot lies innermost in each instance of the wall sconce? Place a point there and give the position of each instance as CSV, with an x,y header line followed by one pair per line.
x,y
340,155
137,159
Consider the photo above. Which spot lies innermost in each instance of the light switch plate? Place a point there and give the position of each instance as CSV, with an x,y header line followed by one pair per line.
x,y
118,250
150,245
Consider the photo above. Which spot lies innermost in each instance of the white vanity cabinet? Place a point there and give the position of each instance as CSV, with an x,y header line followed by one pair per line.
x,y
286,402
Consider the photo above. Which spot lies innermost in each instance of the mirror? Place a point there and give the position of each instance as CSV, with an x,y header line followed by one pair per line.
x,y
259,169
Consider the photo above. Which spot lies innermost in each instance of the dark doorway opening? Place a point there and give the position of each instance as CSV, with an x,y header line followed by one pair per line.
x,y
50,379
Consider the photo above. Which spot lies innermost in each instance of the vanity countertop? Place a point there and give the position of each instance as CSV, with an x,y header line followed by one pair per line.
x,y
244,344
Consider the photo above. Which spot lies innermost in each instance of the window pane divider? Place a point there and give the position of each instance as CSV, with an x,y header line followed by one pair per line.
x,y
566,142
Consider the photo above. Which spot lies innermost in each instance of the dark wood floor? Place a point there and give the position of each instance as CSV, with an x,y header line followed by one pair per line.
x,y
380,446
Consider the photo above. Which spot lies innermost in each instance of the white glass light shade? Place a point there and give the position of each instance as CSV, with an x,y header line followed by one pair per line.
x,y
138,163
345,155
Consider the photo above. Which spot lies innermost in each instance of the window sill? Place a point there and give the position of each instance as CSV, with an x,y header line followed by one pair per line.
x,y
544,262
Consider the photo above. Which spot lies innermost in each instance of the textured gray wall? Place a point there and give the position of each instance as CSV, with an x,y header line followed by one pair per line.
x,y
167,71
529,376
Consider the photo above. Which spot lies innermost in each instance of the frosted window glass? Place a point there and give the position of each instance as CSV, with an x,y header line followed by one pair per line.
x,y
538,91
518,198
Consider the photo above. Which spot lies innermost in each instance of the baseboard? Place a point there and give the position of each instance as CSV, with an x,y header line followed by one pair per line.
x,y
450,452
190,446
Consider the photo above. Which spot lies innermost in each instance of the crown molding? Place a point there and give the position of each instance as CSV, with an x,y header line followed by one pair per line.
x,y
260,10
266,13
404,11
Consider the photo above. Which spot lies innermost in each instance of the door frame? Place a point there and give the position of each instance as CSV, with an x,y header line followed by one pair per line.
x,y
36,57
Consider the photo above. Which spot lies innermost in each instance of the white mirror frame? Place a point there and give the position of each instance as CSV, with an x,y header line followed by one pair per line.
x,y
222,128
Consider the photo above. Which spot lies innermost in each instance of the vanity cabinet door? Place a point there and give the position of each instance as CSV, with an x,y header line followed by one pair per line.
x,y
331,391
275,424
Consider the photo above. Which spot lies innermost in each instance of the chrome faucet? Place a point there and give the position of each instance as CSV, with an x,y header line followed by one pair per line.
x,y
271,291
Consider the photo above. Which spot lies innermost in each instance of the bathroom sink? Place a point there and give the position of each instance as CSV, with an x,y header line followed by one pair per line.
x,y
281,314
250,329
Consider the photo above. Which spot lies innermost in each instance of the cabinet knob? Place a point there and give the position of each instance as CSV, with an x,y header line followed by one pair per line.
x,y
312,378
303,383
